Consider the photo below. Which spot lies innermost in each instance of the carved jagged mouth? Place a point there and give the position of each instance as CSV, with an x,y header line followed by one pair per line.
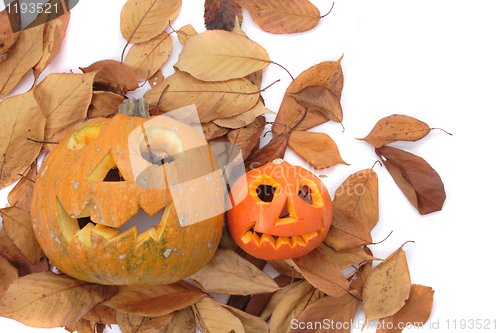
x,y
82,228
276,242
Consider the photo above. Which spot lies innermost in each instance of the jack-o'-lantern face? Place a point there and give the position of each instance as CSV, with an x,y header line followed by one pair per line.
x,y
284,211
87,190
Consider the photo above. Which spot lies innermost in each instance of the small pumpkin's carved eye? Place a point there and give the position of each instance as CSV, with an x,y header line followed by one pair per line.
x,y
84,136
266,192
309,192
305,194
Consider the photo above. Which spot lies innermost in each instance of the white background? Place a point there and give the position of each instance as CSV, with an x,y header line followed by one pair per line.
x,y
437,61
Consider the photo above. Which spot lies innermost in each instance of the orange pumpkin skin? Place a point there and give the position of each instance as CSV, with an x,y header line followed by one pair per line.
x,y
256,225
69,186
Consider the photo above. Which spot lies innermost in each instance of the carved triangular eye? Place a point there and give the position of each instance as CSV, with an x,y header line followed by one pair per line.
x,y
106,171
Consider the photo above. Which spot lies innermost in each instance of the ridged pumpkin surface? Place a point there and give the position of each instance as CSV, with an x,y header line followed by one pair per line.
x,y
72,188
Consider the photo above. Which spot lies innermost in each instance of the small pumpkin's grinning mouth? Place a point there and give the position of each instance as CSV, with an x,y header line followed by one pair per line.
x,y
278,241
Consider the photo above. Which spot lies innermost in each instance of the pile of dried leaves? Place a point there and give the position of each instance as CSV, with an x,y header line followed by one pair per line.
x,y
220,71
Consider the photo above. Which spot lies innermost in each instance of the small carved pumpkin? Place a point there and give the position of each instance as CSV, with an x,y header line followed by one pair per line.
x,y
284,212
97,178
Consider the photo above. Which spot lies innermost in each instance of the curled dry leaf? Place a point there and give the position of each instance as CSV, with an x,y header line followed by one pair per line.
x,y
387,287
347,257
397,127
53,36
148,57
141,20
20,118
245,118
229,273
419,182
416,310
46,300
292,302
218,55
347,231
185,33
358,194
212,99
335,313
323,273
17,223
9,30
22,194
328,74
113,74
8,274
322,99
64,99
104,104
213,317
155,301
221,14
22,57
282,17
318,149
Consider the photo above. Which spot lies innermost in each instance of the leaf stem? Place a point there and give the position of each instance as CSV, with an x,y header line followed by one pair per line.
x,y
333,4
44,142
437,128
275,63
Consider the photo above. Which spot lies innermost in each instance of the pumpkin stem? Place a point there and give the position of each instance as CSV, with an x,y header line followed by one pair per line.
x,y
134,108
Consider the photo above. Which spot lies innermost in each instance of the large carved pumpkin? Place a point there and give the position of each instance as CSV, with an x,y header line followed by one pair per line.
x,y
96,179
284,211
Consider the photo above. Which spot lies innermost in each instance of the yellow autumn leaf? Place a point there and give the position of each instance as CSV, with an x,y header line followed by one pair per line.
x,y
146,58
64,99
218,55
212,99
20,118
141,20
318,149
22,57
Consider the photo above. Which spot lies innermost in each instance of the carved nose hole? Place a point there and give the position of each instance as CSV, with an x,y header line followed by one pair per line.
x,y
285,212
265,192
83,221
113,175
305,194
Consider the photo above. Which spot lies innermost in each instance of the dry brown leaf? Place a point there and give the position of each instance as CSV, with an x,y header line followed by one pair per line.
x,y
323,273
22,194
213,317
291,304
11,252
364,271
246,138
82,326
415,312
328,74
53,36
218,55
9,30
245,118
347,257
8,274
22,57
113,74
157,78
17,223
397,127
46,300
318,149
347,231
148,57
212,131
155,301
141,20
387,287
229,273
358,194
20,118
64,99
419,182
101,314
185,33
182,322
104,104
322,99
282,17
132,323
212,99
335,313
221,14
251,324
